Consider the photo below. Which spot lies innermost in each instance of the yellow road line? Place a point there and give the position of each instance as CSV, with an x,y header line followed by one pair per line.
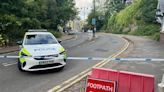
x,y
123,49
83,74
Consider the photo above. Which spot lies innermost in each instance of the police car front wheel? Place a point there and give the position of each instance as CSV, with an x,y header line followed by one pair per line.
x,y
20,65
65,60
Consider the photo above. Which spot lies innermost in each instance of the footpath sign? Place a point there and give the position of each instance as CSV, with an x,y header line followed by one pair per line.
x,y
99,85
125,81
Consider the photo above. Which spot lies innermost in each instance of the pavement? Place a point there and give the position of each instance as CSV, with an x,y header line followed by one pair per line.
x,y
143,47
9,49
140,47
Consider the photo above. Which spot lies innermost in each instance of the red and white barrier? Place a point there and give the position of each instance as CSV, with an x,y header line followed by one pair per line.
x,y
125,81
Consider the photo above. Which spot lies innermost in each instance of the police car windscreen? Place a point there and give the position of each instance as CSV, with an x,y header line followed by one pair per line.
x,y
36,39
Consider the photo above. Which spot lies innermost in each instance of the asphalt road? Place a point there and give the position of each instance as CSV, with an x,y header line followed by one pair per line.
x,y
12,80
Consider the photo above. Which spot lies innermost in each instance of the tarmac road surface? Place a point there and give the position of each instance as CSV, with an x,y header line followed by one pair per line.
x,y
12,80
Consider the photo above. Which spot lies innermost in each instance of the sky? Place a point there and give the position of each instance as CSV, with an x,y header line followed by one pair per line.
x,y
84,6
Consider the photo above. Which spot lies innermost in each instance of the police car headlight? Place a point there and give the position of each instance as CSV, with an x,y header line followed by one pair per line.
x,y
25,55
63,52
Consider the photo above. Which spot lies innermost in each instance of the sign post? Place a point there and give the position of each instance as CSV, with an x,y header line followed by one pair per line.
x,y
94,26
99,85
93,21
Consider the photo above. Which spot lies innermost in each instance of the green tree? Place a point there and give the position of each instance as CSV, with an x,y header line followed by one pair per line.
x,y
20,15
99,21
104,10
68,10
148,10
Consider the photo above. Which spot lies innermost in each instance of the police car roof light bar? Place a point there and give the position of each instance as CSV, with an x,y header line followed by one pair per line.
x,y
37,30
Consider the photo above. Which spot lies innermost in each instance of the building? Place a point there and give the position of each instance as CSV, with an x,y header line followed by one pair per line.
x,y
74,24
160,18
161,5
160,11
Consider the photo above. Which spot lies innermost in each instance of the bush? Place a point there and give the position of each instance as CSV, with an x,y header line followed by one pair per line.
x,y
56,34
148,10
136,19
11,29
28,23
147,30
124,18
156,36
1,40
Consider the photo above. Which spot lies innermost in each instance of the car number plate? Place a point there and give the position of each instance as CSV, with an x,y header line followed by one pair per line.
x,y
46,62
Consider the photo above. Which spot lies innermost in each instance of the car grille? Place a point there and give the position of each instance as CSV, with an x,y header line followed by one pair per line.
x,y
44,57
45,66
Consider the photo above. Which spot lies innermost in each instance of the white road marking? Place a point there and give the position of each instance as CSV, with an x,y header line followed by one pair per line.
x,y
8,64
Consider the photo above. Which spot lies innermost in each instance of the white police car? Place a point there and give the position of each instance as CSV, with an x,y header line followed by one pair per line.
x,y
40,50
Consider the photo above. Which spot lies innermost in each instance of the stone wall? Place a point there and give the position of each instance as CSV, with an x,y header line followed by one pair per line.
x,y
162,38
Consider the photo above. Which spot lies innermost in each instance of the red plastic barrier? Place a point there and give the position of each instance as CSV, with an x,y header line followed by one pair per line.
x,y
126,81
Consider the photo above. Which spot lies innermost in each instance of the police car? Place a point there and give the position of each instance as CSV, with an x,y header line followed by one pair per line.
x,y
40,50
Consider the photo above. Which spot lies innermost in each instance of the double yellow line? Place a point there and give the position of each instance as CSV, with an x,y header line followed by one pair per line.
x,y
80,76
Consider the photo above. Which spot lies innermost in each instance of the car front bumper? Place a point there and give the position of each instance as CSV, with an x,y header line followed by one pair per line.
x,y
36,65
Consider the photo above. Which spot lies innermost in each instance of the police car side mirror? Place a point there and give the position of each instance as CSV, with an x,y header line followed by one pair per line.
x,y
59,41
19,42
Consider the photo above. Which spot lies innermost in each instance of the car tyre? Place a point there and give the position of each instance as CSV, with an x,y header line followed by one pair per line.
x,y
20,66
65,60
